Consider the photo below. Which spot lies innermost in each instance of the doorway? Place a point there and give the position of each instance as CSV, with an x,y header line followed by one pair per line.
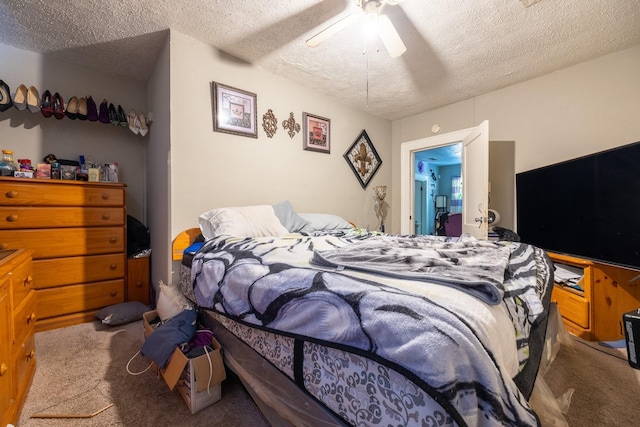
x,y
434,196
475,182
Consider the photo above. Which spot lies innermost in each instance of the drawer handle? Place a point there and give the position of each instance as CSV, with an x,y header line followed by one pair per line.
x,y
4,245
113,267
31,318
28,281
113,293
106,216
139,284
12,194
30,355
113,239
105,196
12,218
3,368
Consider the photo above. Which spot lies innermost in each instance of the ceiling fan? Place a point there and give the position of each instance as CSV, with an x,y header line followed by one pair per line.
x,y
373,16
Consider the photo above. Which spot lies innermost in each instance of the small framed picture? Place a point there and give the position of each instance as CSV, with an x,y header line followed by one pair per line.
x,y
234,111
363,159
317,133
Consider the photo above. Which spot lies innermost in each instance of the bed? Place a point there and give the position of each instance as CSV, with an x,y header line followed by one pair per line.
x,y
342,326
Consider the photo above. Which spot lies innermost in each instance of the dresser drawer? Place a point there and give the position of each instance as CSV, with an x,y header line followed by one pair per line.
x,y
24,317
48,273
16,217
22,281
54,243
25,358
572,307
78,298
60,193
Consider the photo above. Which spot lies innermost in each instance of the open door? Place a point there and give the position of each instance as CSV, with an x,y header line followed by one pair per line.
x,y
475,177
475,182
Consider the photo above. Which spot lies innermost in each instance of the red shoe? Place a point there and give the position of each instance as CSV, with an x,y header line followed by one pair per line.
x,y
46,106
58,106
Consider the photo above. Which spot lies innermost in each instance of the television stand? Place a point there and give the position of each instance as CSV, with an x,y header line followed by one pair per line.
x,y
608,291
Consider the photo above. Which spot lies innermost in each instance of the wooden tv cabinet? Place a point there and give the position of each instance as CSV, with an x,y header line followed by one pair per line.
x,y
609,292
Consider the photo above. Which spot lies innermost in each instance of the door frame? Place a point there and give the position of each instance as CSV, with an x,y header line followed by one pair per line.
x,y
407,171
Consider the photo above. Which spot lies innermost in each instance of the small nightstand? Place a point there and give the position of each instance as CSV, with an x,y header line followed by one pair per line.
x,y
138,279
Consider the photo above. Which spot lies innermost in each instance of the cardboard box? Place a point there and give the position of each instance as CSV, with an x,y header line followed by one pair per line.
x,y
188,387
195,373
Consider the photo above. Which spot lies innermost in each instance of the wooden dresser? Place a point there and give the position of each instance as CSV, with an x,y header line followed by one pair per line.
x,y
595,312
77,234
17,341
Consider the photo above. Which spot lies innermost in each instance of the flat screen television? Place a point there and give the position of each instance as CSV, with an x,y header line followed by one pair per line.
x,y
587,207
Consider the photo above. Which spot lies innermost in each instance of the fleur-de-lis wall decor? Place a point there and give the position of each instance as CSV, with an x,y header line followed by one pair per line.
x,y
291,125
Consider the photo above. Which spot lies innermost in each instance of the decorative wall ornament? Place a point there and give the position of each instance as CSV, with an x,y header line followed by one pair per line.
x,y
379,205
269,123
234,111
363,159
316,134
291,125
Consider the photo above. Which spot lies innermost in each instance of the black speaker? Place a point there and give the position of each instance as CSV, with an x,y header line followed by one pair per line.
x,y
631,321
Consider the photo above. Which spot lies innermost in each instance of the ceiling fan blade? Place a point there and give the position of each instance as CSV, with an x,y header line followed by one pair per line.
x,y
332,29
390,37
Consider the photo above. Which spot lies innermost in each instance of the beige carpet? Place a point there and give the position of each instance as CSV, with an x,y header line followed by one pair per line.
x,y
606,387
82,369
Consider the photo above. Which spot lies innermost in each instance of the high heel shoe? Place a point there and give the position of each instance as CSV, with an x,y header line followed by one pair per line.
x,y
33,99
82,109
103,115
5,97
72,108
132,122
20,98
142,124
46,107
92,110
122,117
113,115
58,106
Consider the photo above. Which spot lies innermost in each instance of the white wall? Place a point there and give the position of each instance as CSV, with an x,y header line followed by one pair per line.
x,y
158,168
576,111
212,169
32,136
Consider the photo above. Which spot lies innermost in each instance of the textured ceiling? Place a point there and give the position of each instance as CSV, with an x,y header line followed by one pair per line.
x,y
455,49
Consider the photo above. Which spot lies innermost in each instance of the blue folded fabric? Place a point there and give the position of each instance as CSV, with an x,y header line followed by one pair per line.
x,y
160,344
193,248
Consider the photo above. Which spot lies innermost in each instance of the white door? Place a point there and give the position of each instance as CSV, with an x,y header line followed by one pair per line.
x,y
475,181
475,162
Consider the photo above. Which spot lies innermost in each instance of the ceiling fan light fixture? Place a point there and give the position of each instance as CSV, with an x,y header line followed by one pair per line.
x,y
370,26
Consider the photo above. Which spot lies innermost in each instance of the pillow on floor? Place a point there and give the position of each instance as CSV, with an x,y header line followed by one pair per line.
x,y
120,314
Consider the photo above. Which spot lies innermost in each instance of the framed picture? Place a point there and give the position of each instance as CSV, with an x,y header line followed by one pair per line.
x,y
234,111
317,133
363,159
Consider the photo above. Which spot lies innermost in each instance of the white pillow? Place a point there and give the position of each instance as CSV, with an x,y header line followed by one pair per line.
x,y
171,302
321,221
246,221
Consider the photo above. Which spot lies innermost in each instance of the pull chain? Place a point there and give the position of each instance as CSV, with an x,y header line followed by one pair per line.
x,y
366,54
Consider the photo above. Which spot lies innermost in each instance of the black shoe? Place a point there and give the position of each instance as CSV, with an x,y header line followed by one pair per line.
x,y
113,115
122,117
5,97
